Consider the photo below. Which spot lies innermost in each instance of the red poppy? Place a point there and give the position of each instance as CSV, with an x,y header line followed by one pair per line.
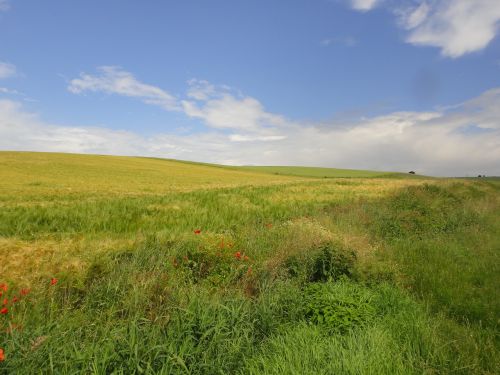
x,y
269,225
4,287
5,301
249,271
24,292
53,281
221,245
237,255
246,258
4,311
15,299
197,231
2,355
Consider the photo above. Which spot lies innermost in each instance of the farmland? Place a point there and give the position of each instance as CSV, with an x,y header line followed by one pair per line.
x,y
143,265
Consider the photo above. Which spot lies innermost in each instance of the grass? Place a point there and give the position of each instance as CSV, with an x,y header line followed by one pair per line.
x,y
317,172
287,275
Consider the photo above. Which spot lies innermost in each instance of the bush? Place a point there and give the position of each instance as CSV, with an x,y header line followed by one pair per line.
x,y
338,307
327,262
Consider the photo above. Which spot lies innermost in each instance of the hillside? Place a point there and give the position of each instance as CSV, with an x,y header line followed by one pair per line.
x,y
141,265
317,172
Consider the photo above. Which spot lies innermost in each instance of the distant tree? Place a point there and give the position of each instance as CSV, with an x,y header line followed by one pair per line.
x,y
411,172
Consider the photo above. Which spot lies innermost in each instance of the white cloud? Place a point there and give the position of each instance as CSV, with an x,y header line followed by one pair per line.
x,y
5,90
460,140
347,41
7,70
457,27
364,5
200,89
4,5
218,107
231,112
115,80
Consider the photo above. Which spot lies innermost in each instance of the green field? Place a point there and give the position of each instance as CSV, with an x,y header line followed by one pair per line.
x,y
325,172
183,268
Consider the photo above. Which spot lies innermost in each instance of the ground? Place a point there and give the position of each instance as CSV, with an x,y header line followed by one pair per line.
x,y
157,266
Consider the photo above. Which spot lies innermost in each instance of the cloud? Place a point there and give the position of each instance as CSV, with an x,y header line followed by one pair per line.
x,y
236,113
6,90
7,70
4,5
347,41
200,89
456,27
460,140
364,5
218,107
115,80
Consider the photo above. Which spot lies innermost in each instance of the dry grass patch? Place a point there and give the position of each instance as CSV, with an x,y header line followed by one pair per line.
x,y
23,262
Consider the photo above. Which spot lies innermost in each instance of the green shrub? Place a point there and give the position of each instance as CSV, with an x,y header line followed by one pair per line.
x,y
327,262
331,263
338,307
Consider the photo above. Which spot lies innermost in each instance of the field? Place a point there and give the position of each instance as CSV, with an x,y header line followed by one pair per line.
x,y
141,265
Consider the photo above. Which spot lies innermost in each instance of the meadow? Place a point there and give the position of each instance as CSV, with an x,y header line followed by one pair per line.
x,y
140,265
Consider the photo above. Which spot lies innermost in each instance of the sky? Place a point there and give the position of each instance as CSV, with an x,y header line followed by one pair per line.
x,y
366,84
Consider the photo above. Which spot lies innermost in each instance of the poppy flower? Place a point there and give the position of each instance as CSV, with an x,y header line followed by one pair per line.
x,y
269,225
5,301
221,245
249,271
2,355
53,281
4,311
15,299
197,231
237,255
4,287
246,258
24,292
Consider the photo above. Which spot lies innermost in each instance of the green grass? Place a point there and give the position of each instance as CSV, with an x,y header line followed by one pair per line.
x,y
288,275
318,172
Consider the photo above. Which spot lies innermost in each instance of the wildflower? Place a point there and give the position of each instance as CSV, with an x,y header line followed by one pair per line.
x,y
24,292
15,299
246,258
2,355
249,271
197,231
5,301
269,225
4,311
237,255
221,245
53,281
4,287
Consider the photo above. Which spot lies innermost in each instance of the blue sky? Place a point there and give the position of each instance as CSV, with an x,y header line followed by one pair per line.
x,y
395,85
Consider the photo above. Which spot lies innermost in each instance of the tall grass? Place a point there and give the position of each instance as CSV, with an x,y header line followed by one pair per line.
x,y
311,277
